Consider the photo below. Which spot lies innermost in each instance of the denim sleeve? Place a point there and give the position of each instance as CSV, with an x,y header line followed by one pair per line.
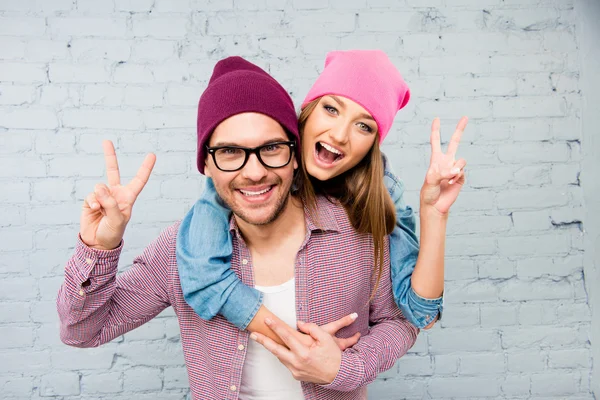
x,y
404,250
204,251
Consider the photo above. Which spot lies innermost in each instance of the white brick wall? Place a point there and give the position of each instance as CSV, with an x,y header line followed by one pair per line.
x,y
74,72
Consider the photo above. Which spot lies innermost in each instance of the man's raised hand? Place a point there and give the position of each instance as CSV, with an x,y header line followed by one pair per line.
x,y
107,210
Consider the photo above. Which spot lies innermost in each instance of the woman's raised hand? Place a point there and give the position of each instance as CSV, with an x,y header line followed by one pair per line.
x,y
107,210
445,176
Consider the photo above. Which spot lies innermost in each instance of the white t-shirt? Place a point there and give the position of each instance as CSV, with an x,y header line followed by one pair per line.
x,y
264,377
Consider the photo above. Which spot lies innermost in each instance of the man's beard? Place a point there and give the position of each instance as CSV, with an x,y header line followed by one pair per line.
x,y
246,214
279,207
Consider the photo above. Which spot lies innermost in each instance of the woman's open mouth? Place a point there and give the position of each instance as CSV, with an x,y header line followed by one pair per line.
x,y
327,154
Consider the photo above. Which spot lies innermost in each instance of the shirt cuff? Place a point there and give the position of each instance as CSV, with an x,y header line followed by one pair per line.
x,y
90,263
426,309
242,305
350,373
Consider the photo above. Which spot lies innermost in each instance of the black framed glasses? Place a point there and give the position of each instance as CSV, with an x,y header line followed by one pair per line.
x,y
271,155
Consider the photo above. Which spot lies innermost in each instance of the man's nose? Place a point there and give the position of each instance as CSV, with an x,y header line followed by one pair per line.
x,y
254,170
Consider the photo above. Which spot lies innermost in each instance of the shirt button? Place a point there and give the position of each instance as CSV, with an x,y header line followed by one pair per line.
x,y
241,347
233,388
300,306
244,261
89,261
81,293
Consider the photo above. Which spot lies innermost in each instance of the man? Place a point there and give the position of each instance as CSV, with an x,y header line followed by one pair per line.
x,y
274,242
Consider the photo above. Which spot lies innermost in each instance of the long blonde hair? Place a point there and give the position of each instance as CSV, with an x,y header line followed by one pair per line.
x,y
360,190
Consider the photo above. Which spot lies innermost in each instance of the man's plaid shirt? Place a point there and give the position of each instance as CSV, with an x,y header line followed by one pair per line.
x,y
334,277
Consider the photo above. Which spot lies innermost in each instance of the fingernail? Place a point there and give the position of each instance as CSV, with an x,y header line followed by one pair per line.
x,y
101,192
354,315
268,321
253,336
455,171
451,181
300,322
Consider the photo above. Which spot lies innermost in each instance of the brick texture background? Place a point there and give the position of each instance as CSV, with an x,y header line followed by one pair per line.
x,y
73,72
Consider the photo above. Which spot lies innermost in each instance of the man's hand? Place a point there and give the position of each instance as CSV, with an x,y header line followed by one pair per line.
x,y
107,210
318,362
331,328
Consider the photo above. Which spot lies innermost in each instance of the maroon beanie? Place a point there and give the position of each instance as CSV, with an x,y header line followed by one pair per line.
x,y
238,86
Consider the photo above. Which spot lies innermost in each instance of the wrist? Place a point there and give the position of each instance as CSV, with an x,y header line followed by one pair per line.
x,y
429,212
108,247
105,248
335,373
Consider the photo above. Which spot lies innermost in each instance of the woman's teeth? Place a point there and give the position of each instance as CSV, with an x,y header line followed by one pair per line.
x,y
251,193
330,148
327,153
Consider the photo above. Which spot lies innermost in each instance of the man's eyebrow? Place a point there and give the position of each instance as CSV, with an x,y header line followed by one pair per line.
x,y
233,144
219,144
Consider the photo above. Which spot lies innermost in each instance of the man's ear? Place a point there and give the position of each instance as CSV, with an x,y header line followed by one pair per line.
x,y
207,168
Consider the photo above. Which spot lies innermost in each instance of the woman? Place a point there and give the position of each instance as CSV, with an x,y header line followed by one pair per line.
x,y
345,116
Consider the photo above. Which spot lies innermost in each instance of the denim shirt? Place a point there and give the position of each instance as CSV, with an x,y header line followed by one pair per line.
x,y
210,287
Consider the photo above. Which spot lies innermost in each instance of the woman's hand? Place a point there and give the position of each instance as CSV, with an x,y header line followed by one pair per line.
x,y
445,176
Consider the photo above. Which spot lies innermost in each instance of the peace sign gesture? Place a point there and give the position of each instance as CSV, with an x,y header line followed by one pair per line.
x,y
107,210
445,176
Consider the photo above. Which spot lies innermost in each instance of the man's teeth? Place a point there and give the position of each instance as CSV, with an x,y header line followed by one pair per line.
x,y
331,149
250,193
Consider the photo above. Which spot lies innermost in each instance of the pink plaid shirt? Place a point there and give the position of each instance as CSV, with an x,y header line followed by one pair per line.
x,y
333,279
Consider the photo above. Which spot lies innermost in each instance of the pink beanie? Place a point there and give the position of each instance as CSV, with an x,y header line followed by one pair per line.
x,y
366,77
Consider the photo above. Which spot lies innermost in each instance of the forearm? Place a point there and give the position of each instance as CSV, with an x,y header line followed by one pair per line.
x,y
428,277
204,249
373,354
90,281
258,324
95,306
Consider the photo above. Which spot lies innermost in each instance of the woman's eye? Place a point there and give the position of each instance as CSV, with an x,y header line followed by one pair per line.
x,y
330,109
364,127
